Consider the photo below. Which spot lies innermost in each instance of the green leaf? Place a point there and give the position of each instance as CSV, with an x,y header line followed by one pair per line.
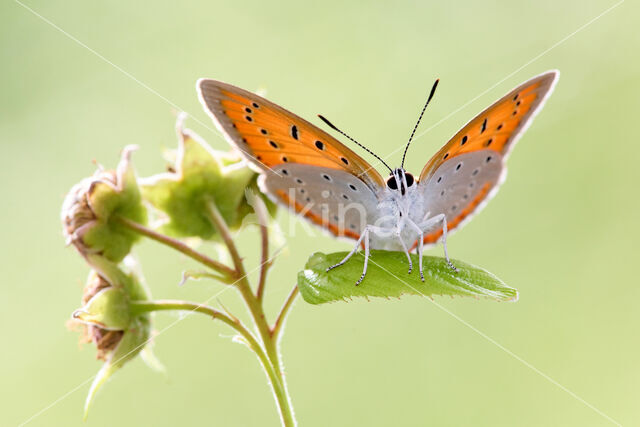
x,y
387,277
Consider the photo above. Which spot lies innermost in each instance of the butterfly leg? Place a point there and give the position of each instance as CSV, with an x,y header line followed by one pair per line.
x,y
420,250
444,243
406,251
375,229
366,258
417,228
434,220
364,237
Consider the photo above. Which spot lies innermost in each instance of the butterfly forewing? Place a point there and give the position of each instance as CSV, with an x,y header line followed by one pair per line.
x,y
303,167
269,135
470,166
499,126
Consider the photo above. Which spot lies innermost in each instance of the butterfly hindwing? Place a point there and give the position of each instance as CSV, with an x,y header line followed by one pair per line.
x,y
460,187
482,145
330,198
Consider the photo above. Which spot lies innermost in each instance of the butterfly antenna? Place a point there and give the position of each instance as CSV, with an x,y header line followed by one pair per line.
x,y
331,125
433,90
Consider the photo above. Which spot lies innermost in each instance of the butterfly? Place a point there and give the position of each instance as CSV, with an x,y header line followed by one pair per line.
x,y
307,170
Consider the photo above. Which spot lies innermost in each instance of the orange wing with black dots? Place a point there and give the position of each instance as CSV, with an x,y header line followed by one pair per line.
x,y
270,136
499,126
480,149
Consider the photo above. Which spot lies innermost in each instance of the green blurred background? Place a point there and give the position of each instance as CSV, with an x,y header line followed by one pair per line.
x,y
563,229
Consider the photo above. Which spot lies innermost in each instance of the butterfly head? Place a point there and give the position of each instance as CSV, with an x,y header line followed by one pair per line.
x,y
400,181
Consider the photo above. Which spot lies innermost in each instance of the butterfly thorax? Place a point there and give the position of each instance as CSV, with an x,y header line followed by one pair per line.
x,y
400,205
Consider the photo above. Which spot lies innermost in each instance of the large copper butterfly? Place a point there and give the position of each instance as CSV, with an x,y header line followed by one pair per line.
x,y
312,173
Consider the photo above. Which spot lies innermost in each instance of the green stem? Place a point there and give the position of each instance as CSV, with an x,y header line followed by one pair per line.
x,y
277,327
254,305
267,352
275,380
227,272
220,224
139,307
263,220
197,275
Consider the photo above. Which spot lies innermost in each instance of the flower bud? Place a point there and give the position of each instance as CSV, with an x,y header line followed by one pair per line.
x,y
108,319
199,175
90,210
107,309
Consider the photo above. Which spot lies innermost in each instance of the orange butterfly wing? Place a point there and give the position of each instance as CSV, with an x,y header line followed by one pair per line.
x,y
269,136
497,128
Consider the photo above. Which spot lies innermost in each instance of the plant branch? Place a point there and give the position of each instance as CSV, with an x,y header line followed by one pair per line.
x,y
275,379
277,327
220,224
164,305
197,275
219,267
263,219
254,306
256,310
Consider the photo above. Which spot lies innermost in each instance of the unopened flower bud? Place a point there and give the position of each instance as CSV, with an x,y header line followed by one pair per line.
x,y
118,332
90,210
199,175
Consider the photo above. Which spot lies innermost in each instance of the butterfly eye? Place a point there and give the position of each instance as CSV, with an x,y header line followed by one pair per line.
x,y
392,184
409,179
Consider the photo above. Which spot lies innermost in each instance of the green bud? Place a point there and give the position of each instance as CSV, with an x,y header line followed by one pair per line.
x,y
198,176
108,309
118,332
91,207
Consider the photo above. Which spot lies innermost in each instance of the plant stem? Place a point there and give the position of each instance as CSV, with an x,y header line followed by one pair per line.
x,y
275,381
267,348
164,305
263,219
220,224
277,327
254,306
219,267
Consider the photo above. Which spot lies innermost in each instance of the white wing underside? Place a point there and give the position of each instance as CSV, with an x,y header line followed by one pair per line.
x,y
344,205
457,183
330,198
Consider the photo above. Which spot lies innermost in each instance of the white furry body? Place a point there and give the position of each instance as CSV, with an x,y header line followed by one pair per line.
x,y
397,217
